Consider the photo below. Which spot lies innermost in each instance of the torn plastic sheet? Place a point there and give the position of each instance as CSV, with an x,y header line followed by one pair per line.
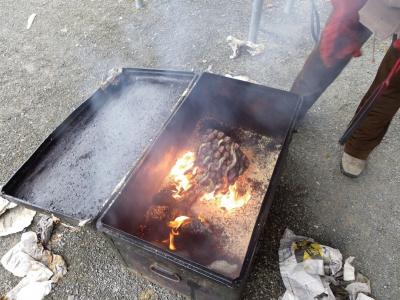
x,y
38,267
15,220
302,262
238,46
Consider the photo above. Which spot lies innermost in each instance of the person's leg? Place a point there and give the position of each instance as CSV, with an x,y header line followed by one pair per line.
x,y
315,77
373,128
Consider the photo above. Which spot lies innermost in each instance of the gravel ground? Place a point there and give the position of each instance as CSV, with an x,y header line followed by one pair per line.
x,y
47,71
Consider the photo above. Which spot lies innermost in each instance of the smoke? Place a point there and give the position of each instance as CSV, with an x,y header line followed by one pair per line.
x,y
182,35
166,34
191,35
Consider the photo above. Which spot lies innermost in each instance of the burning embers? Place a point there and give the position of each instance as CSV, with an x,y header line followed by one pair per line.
x,y
206,203
220,162
187,226
211,173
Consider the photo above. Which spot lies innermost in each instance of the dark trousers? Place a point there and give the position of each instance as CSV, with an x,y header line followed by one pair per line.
x,y
372,130
315,78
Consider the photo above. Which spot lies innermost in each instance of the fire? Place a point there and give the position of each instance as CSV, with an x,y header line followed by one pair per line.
x,y
230,200
175,225
182,173
178,173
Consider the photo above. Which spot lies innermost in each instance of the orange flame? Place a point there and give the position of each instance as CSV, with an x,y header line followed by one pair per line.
x,y
178,173
230,200
175,225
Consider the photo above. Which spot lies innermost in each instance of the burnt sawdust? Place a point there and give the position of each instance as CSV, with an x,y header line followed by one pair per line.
x,y
236,226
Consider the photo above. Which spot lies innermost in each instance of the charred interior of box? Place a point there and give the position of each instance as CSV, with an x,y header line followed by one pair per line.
x,y
208,202
199,189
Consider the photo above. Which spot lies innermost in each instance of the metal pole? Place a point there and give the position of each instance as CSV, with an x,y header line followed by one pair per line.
x,y
255,19
139,4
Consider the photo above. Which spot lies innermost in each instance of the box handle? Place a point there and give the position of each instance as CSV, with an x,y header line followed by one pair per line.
x,y
164,273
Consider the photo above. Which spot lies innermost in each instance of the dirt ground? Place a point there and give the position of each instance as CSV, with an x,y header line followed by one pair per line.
x,y
47,71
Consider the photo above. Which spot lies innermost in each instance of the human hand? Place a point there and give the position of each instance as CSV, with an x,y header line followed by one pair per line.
x,y
339,38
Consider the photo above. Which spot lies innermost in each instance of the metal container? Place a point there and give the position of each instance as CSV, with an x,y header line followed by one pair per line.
x,y
264,110
77,168
86,166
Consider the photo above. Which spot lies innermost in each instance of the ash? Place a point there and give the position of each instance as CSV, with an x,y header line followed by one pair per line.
x,y
97,151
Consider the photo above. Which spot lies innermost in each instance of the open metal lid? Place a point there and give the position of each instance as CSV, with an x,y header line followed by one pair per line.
x,y
75,171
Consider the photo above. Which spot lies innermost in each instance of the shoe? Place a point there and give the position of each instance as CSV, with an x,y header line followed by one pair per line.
x,y
352,166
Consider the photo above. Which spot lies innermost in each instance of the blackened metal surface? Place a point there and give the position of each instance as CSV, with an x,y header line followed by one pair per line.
x,y
76,169
267,111
171,274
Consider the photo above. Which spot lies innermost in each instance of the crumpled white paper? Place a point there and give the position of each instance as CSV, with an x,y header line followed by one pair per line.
x,y
362,296
348,270
308,269
4,205
16,220
301,270
38,267
356,288
33,291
